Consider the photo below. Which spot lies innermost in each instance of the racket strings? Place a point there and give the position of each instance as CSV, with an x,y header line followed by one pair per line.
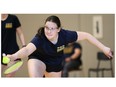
x,y
11,63
13,66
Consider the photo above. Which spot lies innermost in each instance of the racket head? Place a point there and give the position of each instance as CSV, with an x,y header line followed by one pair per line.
x,y
14,67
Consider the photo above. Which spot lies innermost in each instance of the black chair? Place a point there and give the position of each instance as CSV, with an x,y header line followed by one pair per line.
x,y
101,57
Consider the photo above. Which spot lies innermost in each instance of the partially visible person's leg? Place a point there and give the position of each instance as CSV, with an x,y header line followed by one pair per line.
x,y
66,69
36,68
53,70
53,74
72,65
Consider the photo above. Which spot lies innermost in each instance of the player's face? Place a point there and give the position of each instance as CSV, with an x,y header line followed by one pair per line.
x,y
51,30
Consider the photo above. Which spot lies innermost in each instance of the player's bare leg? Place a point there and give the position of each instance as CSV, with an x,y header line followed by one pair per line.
x,y
36,68
53,74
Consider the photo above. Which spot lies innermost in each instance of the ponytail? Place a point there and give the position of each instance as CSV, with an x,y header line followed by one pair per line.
x,y
40,32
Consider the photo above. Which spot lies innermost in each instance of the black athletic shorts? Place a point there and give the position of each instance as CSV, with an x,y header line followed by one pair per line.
x,y
50,68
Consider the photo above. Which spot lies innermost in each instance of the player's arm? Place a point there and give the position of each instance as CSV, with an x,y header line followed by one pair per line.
x,y
24,52
93,40
77,52
21,36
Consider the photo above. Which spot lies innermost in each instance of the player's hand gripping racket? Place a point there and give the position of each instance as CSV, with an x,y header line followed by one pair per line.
x,y
12,65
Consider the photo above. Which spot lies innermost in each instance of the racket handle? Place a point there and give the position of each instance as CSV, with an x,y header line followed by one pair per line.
x,y
5,60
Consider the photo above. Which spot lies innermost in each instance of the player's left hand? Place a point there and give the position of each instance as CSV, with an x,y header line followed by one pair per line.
x,y
107,51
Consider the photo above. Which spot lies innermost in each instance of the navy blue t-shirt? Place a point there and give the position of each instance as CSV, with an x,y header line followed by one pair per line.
x,y
9,26
52,54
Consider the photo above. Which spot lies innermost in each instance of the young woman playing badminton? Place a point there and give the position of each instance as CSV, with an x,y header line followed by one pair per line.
x,y
46,48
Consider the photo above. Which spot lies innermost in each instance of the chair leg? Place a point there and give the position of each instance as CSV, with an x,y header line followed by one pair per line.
x,y
111,69
97,74
89,73
112,73
102,73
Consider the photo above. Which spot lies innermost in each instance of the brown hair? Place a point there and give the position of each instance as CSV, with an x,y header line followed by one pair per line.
x,y
52,18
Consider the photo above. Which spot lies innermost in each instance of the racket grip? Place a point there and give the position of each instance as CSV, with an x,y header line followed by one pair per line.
x,y
19,59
